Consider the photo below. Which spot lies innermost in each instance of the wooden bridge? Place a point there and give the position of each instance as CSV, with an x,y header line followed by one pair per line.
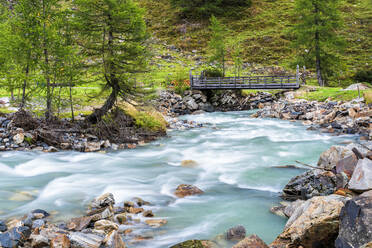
x,y
250,82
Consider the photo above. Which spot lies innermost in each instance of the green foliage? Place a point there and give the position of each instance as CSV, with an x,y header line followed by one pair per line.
x,y
206,8
112,35
363,76
317,41
212,72
217,43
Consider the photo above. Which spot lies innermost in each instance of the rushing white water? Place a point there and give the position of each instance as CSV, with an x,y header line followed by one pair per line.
x,y
235,155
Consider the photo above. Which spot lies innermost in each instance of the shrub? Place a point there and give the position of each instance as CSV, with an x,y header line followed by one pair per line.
x,y
363,76
212,72
206,8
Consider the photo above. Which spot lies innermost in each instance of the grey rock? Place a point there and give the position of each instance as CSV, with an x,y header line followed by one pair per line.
x,y
309,184
3,227
362,176
38,223
102,201
355,222
84,240
292,207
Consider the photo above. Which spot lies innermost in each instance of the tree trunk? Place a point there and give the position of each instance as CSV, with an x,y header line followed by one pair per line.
x,y
98,113
48,113
23,102
317,48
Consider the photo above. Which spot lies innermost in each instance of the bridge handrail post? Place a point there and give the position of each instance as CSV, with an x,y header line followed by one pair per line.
x,y
298,75
191,79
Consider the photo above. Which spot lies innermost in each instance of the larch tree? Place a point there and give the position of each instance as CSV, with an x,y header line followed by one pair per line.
x,y
317,41
112,36
217,43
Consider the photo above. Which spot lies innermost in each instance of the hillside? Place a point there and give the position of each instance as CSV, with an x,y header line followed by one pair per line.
x,y
264,29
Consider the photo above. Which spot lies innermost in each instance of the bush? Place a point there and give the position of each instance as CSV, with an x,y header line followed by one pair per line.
x,y
212,72
206,8
363,76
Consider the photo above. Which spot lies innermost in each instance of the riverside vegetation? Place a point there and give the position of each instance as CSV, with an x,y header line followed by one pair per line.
x,y
108,75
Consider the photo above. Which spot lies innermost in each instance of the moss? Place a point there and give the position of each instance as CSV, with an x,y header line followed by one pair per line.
x,y
368,96
148,119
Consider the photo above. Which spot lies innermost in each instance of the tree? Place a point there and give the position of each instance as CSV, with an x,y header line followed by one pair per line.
x,y
217,43
112,35
236,54
316,36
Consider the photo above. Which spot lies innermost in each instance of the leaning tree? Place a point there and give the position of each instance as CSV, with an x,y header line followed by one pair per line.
x,y
112,36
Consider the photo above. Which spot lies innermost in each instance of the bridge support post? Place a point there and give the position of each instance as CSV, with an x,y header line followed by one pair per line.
x,y
191,80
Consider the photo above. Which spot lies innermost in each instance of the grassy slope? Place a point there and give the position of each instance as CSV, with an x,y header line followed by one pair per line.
x,y
264,29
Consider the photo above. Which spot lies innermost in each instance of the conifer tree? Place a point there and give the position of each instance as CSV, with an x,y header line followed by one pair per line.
x,y
217,43
112,35
316,36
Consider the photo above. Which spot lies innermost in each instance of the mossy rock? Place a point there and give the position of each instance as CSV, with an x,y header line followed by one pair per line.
x,y
194,244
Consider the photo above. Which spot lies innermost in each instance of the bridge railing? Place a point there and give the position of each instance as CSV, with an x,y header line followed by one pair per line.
x,y
247,82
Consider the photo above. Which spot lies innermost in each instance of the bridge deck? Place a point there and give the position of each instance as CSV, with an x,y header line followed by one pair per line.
x,y
252,82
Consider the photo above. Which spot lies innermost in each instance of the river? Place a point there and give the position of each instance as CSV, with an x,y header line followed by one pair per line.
x,y
235,155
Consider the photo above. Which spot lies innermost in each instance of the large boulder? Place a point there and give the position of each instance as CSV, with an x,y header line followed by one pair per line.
x,y
309,184
252,241
314,224
362,176
355,222
330,157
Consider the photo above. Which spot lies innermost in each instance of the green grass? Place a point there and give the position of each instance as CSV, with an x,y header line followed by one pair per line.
x,y
324,93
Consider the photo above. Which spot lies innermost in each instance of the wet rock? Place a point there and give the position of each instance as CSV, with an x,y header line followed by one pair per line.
x,y
3,227
156,222
184,190
278,210
194,244
189,163
355,222
148,213
121,218
106,226
314,224
330,157
309,184
14,237
252,241
78,224
114,240
92,146
102,201
362,176
236,233
61,241
39,213
140,202
83,240
133,210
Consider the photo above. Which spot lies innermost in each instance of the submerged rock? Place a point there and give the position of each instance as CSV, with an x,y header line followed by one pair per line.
x,y
252,241
156,222
236,233
184,190
355,222
314,224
